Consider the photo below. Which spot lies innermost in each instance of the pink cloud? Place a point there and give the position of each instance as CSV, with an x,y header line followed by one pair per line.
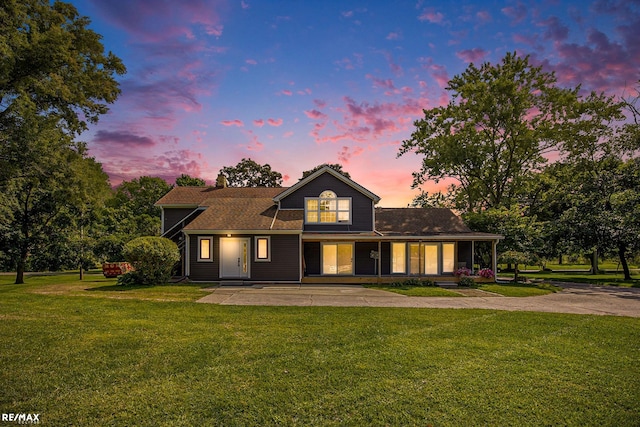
x,y
274,122
345,154
517,13
472,55
286,92
258,123
394,36
430,15
235,122
251,61
380,83
315,114
555,30
167,165
484,17
122,139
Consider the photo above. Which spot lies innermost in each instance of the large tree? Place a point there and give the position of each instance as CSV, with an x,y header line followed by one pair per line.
x,y
500,123
54,79
248,173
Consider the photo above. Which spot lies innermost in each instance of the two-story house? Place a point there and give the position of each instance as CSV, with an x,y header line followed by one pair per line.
x,y
324,228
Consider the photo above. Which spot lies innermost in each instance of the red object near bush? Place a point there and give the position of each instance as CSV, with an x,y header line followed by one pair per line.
x,y
114,269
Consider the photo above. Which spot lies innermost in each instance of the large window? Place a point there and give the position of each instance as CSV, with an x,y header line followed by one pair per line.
x,y
398,257
328,208
427,258
337,258
205,249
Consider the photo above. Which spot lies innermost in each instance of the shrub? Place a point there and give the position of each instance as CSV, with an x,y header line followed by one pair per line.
x,y
127,279
467,282
462,272
153,259
486,273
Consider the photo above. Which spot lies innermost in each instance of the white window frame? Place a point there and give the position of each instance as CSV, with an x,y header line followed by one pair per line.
x,y
257,248
323,201
200,240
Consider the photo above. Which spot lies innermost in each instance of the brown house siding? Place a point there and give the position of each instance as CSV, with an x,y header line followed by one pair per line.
x,y
361,205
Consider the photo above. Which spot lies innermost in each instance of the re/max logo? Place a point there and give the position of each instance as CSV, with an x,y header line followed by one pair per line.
x,y
22,418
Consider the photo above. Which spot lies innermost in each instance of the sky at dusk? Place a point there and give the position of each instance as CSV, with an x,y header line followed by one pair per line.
x,y
298,83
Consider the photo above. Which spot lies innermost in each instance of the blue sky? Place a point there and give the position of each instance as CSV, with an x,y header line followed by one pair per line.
x,y
296,83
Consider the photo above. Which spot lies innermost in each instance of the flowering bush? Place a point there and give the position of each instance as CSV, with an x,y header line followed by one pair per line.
x,y
487,273
461,272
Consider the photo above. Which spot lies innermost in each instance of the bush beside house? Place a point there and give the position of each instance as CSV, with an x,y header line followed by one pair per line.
x,y
153,260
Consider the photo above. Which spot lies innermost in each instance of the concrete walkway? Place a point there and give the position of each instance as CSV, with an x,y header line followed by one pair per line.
x,y
574,298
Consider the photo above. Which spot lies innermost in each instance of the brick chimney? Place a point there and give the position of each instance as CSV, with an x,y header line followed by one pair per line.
x,y
221,181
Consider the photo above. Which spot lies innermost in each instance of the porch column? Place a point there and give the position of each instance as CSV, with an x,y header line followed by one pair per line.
x,y
473,256
379,260
494,245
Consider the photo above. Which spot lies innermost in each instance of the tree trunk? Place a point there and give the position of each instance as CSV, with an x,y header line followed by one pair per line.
x,y
22,262
594,262
515,277
623,260
560,259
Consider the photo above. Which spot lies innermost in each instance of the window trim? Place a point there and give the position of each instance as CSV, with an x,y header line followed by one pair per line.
x,y
337,211
199,251
257,248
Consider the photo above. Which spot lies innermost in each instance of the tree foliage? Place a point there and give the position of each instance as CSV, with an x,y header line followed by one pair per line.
x,y
335,166
54,65
499,125
54,79
248,173
185,180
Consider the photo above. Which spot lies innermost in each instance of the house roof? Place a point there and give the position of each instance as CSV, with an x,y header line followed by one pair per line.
x,y
196,196
419,222
323,170
245,213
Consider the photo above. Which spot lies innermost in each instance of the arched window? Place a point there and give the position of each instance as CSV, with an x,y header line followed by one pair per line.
x,y
328,208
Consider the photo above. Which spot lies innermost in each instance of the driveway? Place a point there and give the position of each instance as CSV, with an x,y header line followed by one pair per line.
x,y
574,298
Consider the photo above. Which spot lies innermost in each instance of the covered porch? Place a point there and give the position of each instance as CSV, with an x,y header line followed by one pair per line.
x,y
352,258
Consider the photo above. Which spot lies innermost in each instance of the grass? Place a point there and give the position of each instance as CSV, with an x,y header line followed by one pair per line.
x,y
609,279
520,289
416,291
95,358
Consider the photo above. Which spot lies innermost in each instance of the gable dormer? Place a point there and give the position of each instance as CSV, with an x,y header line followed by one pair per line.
x,y
331,202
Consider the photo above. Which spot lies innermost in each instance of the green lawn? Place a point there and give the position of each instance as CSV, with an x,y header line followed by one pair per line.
x,y
152,357
610,279
416,291
519,289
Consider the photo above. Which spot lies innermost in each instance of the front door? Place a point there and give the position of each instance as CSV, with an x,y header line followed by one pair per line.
x,y
234,254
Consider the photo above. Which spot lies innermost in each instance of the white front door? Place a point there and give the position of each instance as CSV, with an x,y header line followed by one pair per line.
x,y
234,255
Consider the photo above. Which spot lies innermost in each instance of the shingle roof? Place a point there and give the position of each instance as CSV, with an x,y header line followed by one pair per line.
x,y
245,213
197,195
418,222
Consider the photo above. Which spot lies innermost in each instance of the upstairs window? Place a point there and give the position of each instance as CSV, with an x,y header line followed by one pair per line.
x,y
327,209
